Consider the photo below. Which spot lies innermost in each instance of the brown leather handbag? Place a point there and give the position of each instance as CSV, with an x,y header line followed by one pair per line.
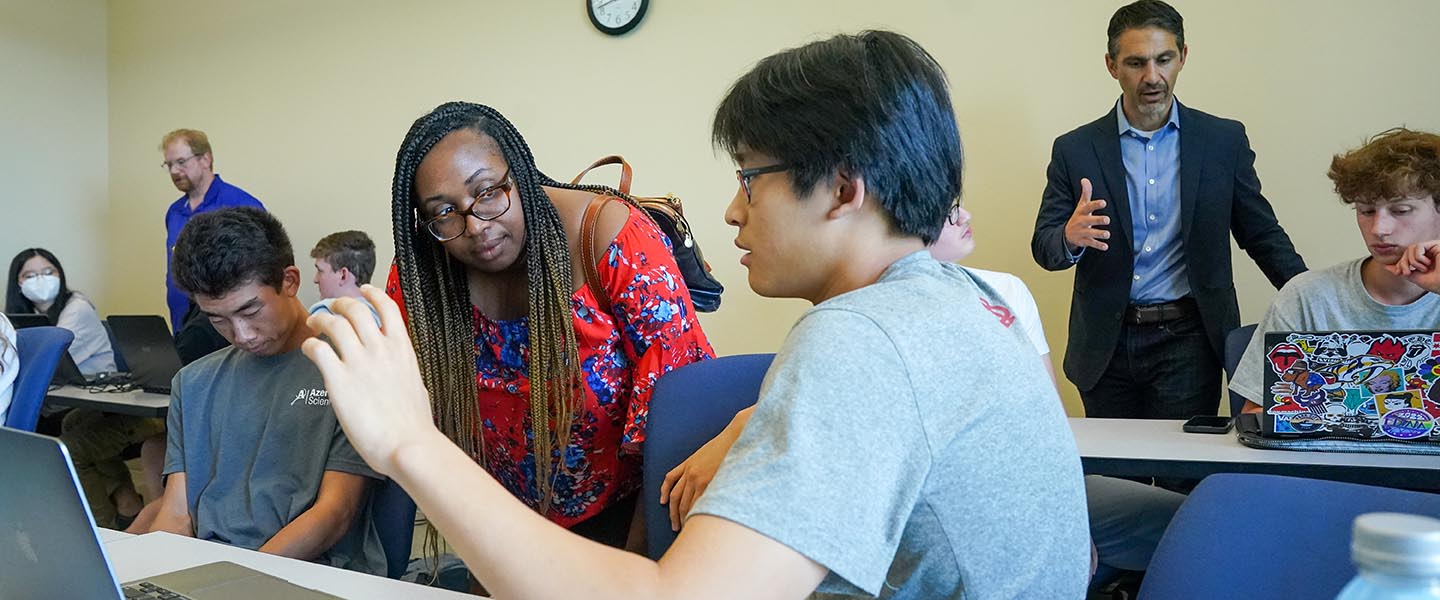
x,y
669,215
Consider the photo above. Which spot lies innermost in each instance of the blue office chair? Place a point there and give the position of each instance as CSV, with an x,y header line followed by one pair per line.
x,y
1235,343
1242,535
690,406
40,349
394,514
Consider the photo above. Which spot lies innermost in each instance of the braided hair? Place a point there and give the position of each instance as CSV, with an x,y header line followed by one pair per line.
x,y
436,295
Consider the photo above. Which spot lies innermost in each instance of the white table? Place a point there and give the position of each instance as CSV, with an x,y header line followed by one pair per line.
x,y
134,402
1139,448
139,556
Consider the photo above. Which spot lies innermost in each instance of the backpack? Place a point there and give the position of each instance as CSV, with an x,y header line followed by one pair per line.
x,y
669,216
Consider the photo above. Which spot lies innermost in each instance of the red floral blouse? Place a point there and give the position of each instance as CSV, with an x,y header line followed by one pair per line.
x,y
652,329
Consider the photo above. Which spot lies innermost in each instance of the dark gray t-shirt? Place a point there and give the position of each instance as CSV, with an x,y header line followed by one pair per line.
x,y
254,436
914,446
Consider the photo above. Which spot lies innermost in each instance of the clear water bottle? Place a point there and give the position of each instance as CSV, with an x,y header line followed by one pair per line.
x,y
1398,557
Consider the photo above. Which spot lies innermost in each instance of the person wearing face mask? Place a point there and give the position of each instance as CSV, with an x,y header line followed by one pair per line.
x,y
37,285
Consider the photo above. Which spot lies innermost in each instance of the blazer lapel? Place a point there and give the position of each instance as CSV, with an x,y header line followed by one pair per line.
x,y
1192,162
1112,167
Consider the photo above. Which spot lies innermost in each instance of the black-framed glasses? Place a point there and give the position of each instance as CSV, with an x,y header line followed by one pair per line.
x,y
179,162
487,205
954,217
745,175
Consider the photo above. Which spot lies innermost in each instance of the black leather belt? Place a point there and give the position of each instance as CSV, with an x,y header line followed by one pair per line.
x,y
1146,314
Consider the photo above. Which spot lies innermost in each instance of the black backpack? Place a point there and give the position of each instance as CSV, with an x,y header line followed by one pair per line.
x,y
668,214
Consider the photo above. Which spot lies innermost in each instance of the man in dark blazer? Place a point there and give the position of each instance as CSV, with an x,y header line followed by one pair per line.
x,y
1142,202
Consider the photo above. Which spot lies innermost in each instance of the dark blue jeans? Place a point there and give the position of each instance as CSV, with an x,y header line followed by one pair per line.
x,y
1164,370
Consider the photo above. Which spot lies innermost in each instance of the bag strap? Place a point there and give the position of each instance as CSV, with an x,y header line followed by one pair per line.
x,y
613,159
587,242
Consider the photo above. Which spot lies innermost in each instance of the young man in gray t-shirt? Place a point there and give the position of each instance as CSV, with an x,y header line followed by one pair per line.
x,y
1393,182
906,444
255,457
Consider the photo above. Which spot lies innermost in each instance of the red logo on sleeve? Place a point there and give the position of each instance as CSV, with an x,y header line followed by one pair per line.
x,y
999,310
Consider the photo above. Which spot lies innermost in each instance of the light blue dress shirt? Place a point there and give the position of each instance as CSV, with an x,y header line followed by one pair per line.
x,y
1152,179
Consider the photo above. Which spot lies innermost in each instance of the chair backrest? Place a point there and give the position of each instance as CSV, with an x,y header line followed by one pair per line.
x,y
1235,343
394,514
1266,536
690,406
40,349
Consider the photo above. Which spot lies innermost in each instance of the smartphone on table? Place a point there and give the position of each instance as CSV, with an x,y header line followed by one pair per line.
x,y
1207,424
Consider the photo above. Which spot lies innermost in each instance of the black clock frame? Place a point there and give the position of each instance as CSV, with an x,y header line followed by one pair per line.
x,y
621,30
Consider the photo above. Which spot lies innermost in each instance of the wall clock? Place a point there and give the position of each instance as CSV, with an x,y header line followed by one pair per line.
x,y
616,17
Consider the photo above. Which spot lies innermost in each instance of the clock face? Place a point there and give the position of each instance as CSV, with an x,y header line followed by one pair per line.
x,y
616,16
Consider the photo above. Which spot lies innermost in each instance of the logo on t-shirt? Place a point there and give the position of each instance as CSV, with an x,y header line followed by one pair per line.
x,y
999,310
312,397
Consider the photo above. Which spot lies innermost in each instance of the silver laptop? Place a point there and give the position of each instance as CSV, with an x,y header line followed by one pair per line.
x,y
49,547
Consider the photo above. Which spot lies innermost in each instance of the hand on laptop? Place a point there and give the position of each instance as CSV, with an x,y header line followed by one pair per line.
x,y
372,377
1418,265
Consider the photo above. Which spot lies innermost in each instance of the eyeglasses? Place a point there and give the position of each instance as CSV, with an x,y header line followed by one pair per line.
x,y
954,216
24,277
488,204
745,175
179,162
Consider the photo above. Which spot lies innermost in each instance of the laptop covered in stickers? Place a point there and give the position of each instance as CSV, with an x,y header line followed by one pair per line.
x,y
1352,385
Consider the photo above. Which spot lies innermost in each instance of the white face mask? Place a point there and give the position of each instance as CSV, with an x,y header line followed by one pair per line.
x,y
41,289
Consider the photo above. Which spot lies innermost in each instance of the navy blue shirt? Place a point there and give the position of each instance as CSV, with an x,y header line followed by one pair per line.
x,y
220,195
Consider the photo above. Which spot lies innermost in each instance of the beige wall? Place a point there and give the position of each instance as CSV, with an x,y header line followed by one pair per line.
x,y
53,178
306,103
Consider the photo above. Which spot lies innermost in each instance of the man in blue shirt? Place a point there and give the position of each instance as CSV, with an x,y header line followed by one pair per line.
x,y
1167,185
190,165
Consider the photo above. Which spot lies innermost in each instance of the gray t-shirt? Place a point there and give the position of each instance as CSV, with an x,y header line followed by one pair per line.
x,y
914,446
254,436
1333,299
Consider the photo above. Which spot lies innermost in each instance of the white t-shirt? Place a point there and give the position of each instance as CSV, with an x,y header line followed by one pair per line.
x,y
1021,303
9,365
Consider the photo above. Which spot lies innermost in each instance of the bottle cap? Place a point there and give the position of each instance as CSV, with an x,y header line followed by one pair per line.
x,y
1397,544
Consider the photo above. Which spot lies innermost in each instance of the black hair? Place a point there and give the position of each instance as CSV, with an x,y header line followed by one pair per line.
x,y
16,302
875,104
1141,14
353,250
221,250
435,290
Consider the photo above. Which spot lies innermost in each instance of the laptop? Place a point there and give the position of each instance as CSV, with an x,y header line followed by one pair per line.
x,y
1356,385
67,373
23,320
149,350
50,549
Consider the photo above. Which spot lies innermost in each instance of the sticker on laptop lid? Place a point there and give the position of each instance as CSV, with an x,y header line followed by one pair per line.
x,y
1406,423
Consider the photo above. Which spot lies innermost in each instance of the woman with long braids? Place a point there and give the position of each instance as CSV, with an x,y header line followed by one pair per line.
x,y
525,372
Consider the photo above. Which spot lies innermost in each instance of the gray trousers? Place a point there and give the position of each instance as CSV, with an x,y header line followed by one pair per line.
x,y
1127,519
